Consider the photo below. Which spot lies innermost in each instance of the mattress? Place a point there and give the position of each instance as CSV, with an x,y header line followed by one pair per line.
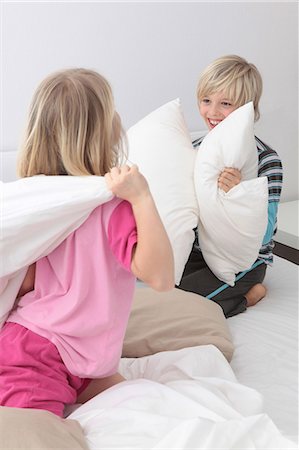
x,y
266,346
193,398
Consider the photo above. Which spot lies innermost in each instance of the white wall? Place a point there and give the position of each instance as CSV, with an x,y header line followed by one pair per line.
x,y
152,53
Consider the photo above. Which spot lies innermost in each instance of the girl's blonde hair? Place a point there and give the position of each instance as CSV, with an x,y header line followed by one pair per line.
x,y
240,81
73,128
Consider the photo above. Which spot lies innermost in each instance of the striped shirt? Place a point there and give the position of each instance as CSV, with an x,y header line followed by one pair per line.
x,y
269,165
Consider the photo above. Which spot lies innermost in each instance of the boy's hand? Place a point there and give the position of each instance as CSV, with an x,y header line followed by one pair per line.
x,y
229,178
127,183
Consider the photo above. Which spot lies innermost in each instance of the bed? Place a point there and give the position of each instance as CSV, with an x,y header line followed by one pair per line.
x,y
193,397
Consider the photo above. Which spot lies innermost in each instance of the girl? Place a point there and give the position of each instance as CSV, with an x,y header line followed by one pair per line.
x,y
74,304
226,84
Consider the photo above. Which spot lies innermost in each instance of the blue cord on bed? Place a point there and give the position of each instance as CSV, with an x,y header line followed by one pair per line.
x,y
240,275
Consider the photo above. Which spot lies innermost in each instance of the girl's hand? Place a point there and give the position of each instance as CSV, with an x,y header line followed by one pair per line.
x,y
229,178
152,257
127,183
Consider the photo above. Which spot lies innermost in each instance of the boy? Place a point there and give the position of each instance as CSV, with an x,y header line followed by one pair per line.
x,y
226,84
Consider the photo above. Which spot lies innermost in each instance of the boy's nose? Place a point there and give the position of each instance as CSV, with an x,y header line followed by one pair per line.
x,y
214,110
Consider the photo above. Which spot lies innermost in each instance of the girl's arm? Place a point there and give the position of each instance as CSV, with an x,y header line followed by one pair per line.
x,y
152,260
28,283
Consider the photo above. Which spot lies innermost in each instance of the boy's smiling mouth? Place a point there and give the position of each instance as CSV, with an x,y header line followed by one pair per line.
x,y
213,123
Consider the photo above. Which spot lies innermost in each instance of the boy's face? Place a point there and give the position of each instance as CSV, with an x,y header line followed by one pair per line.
x,y
214,108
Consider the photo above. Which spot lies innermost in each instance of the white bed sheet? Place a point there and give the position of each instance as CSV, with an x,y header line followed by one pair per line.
x,y
185,399
193,398
266,346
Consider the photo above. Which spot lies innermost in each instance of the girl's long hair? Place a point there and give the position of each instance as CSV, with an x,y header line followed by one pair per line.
x,y
73,128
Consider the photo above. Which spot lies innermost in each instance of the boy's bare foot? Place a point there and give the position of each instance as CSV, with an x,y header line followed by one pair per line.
x,y
255,294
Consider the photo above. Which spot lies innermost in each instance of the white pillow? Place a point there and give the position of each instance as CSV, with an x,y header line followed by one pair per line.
x,y
161,146
232,225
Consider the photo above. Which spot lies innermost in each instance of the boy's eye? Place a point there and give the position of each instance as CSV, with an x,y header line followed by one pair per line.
x,y
226,104
205,100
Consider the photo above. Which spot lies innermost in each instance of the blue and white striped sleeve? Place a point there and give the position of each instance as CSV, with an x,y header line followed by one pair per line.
x,y
270,166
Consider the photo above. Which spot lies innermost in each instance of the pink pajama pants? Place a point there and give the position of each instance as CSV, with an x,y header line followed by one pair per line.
x,y
32,374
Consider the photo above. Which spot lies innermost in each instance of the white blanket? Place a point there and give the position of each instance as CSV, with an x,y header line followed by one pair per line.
x,y
186,399
37,214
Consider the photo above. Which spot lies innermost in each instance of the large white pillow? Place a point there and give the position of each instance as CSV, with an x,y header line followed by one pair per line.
x,y
232,225
161,146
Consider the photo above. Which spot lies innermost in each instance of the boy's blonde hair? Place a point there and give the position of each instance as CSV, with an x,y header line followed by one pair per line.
x,y
72,128
240,81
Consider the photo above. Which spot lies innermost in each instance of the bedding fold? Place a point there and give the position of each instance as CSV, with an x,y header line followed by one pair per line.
x,y
183,399
37,214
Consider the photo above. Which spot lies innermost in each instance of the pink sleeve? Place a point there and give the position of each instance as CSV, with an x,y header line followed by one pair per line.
x,y
122,233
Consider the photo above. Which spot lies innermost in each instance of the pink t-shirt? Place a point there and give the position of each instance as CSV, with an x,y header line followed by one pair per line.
x,y
83,292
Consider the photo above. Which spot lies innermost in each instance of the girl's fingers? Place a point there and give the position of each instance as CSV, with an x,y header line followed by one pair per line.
x,y
108,179
125,168
114,172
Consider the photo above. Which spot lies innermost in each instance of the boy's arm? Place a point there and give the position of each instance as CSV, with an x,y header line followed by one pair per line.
x,y
270,166
152,260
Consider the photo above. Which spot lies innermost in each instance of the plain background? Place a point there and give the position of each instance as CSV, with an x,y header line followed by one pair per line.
x,y
153,52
